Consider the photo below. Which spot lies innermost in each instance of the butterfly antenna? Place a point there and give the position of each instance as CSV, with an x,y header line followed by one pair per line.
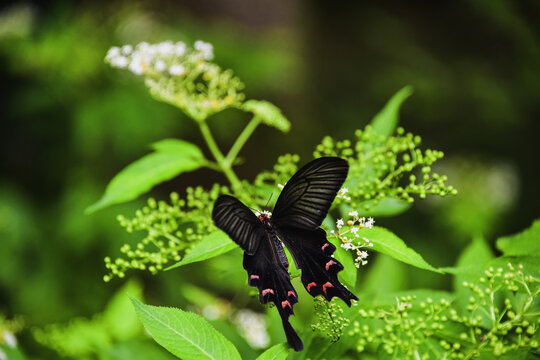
x,y
266,206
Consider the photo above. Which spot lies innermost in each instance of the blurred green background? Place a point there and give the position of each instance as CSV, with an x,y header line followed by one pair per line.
x,y
70,123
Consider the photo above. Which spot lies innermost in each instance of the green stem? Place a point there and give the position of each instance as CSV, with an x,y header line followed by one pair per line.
x,y
244,136
214,149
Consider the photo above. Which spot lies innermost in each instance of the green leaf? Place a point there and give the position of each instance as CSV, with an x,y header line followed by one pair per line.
x,y
215,244
119,317
386,242
11,353
385,122
385,275
526,242
268,113
276,352
184,334
171,157
385,207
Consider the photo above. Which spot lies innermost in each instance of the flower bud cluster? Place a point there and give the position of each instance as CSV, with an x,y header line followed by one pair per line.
x,y
387,167
180,75
501,318
171,229
329,319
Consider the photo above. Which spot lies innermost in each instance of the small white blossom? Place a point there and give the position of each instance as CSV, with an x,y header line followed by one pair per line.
x,y
354,230
344,190
113,53
176,70
136,65
127,49
353,213
10,339
119,62
165,48
179,48
160,65
340,223
206,49
252,326
363,254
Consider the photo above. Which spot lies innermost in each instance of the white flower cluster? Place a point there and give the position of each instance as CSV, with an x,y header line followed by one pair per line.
x,y
342,194
348,242
162,58
252,326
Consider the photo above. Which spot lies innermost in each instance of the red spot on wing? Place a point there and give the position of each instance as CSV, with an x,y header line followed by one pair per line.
x,y
266,291
324,246
291,293
253,277
285,303
310,285
327,285
330,263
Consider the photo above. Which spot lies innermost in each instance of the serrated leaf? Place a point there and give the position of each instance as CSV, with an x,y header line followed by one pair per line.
x,y
526,242
386,242
215,244
276,352
171,158
385,122
268,113
186,335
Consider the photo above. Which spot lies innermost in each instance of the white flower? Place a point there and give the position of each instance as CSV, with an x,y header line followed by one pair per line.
x,y
160,65
112,53
180,48
136,65
363,254
176,70
10,339
340,223
206,49
370,223
119,61
252,326
354,230
353,213
344,190
127,49
165,48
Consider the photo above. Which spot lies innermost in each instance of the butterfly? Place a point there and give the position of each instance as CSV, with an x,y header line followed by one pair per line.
x,y
295,222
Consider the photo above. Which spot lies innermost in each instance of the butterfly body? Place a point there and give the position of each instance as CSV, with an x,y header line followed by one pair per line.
x,y
297,216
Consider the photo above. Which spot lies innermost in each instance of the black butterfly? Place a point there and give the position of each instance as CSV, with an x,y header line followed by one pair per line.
x,y
296,220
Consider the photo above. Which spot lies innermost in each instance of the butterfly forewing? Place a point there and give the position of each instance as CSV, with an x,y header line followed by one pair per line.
x,y
307,196
239,222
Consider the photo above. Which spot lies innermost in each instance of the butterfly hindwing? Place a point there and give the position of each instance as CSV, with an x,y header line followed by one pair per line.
x,y
267,273
312,254
239,222
307,196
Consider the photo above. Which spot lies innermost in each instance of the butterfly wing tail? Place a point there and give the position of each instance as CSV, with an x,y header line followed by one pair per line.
x,y
313,255
270,277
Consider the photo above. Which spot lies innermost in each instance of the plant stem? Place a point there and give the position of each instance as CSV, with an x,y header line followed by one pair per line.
x,y
241,140
214,149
